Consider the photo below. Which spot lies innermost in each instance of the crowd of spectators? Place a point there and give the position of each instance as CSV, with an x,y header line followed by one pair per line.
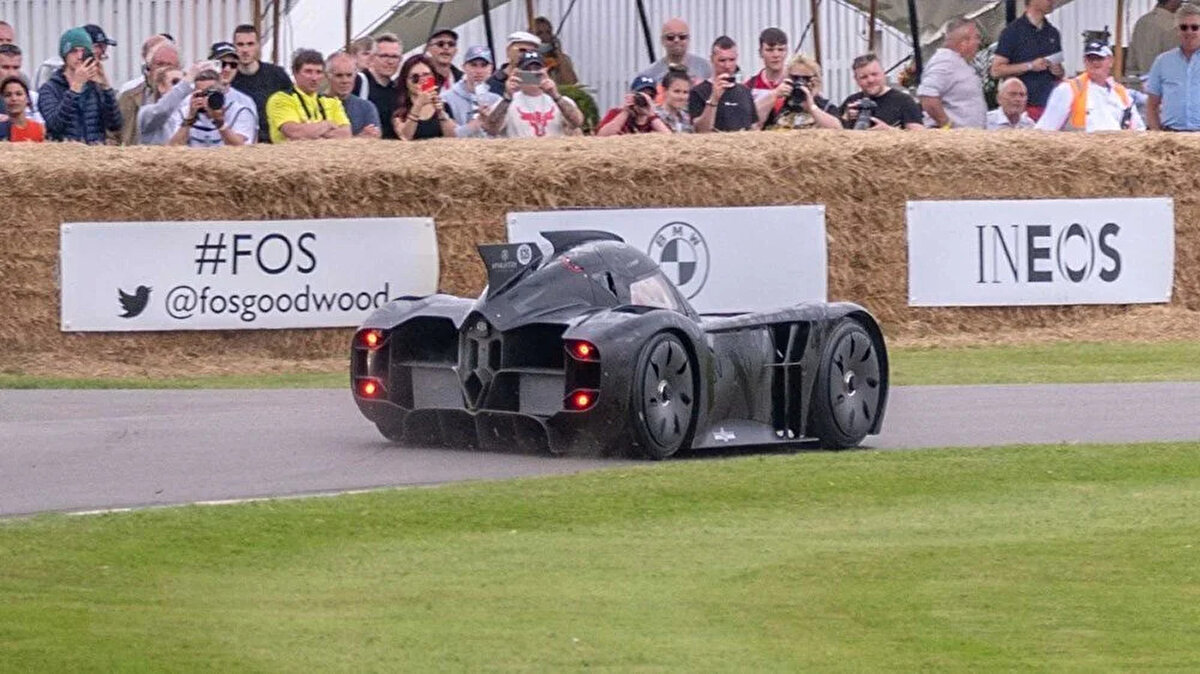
x,y
370,91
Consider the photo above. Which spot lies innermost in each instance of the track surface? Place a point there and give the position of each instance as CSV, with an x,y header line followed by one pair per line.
x,y
79,450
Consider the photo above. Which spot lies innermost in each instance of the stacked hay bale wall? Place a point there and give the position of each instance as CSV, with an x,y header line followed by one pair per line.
x,y
864,180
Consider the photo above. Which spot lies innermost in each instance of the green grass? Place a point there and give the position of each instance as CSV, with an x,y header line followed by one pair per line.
x,y
1060,558
1052,363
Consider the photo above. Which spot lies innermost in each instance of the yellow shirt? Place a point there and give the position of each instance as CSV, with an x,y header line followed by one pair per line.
x,y
296,106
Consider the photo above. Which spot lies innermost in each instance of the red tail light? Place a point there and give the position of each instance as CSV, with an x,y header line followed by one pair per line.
x,y
582,400
581,350
371,338
370,387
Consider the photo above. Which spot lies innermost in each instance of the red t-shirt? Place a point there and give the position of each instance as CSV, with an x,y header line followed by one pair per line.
x,y
33,132
760,85
630,126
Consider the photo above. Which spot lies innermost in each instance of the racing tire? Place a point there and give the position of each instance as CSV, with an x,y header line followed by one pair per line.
x,y
849,388
664,405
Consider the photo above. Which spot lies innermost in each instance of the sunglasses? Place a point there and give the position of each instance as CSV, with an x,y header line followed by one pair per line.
x,y
387,56
1189,26
10,49
229,65
444,44
417,79
675,37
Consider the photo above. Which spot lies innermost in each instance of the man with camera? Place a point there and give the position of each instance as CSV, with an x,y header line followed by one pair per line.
x,y
877,106
723,103
517,45
797,102
951,92
531,106
77,102
213,115
303,113
636,114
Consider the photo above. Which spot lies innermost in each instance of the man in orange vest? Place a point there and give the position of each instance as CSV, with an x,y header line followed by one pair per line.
x,y
1094,101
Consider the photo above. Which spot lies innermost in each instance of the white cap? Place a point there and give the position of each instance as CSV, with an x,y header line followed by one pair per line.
x,y
522,36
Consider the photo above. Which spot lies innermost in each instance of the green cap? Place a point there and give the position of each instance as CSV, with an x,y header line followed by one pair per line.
x,y
73,39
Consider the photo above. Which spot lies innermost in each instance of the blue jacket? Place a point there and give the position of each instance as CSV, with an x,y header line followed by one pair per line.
x,y
83,116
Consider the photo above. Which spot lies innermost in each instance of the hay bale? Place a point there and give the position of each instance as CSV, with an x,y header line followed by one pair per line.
x,y
864,180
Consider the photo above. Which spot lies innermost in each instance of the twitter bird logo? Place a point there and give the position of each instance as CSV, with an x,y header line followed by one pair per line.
x,y
134,304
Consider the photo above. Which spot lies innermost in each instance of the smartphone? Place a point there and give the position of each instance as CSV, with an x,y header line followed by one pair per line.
x,y
429,83
529,77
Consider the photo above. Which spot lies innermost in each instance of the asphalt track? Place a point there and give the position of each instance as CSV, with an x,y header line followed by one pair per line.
x,y
85,450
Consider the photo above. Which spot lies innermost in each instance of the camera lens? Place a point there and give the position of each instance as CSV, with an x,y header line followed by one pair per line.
x,y
214,100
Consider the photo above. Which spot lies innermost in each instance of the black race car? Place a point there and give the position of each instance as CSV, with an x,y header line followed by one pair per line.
x,y
591,349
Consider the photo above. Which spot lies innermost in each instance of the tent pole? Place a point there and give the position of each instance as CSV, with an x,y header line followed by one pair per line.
x,y
871,25
1119,63
1010,11
257,9
641,8
529,13
814,9
349,23
487,28
275,31
914,27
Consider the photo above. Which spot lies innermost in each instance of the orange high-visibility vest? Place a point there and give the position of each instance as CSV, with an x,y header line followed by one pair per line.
x,y
1079,87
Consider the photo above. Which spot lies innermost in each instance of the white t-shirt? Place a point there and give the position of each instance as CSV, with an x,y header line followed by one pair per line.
x,y
1105,109
997,120
535,117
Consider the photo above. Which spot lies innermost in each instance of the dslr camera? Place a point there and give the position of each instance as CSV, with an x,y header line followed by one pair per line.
x,y
214,99
866,107
795,102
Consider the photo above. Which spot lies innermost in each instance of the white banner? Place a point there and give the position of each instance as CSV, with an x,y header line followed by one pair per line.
x,y
1052,251
124,276
723,260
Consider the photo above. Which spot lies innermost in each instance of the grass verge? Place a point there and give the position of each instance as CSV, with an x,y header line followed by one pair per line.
x,y
1046,364
1061,558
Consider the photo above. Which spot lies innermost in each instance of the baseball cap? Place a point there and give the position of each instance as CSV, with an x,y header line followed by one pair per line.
x,y
522,36
442,31
97,34
479,53
1096,48
530,61
642,82
220,50
73,39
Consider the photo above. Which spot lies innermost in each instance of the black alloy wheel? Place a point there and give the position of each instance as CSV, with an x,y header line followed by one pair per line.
x,y
849,387
664,390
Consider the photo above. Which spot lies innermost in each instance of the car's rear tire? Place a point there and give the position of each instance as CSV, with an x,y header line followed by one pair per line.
x,y
664,404
849,388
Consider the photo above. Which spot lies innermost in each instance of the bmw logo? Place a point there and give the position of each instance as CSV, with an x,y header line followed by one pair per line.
x,y
682,253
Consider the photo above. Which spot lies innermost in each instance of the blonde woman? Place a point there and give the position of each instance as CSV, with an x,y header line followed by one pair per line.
x,y
797,102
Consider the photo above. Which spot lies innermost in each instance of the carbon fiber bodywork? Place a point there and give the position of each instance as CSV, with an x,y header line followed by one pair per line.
x,y
506,372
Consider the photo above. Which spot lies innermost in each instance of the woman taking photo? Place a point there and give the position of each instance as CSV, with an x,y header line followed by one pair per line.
x,y
19,128
420,113
798,103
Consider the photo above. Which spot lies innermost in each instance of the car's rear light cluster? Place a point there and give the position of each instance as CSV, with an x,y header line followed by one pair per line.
x,y
370,387
584,378
370,338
